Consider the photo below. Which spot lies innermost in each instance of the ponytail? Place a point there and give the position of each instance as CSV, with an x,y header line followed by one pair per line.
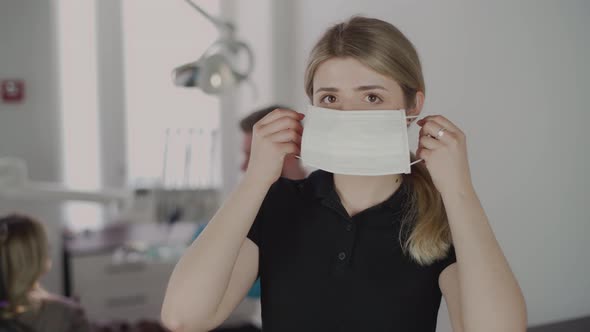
x,y
425,234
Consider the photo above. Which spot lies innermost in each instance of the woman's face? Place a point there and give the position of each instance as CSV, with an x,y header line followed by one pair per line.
x,y
347,84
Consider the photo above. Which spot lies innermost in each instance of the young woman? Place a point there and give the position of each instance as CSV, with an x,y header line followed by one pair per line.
x,y
24,305
352,253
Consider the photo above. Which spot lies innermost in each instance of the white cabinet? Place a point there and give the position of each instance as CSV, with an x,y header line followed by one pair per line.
x,y
110,288
128,291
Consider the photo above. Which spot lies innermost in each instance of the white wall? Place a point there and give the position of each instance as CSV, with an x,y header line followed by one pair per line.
x,y
514,76
31,130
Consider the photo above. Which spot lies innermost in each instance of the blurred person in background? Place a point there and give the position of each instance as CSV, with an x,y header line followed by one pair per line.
x,y
292,168
24,304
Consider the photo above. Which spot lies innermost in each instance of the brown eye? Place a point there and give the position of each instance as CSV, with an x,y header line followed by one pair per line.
x,y
373,99
329,99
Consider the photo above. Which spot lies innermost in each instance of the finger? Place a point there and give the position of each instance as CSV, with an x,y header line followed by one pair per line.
x,y
290,148
284,136
429,143
444,122
280,124
279,113
423,133
432,128
423,154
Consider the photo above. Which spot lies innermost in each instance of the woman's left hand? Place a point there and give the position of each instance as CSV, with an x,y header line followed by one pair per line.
x,y
443,147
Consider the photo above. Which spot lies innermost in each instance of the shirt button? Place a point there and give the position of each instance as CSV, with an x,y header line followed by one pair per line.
x,y
349,227
342,256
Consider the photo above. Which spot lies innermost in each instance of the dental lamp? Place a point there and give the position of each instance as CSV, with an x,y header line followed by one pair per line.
x,y
215,71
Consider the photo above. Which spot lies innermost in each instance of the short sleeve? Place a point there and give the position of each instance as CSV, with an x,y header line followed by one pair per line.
x,y
449,259
256,230
254,233
273,196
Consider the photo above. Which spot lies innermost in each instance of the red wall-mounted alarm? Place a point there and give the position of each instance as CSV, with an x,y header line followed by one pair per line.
x,y
13,91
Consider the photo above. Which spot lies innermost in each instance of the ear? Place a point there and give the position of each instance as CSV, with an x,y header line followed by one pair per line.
x,y
417,109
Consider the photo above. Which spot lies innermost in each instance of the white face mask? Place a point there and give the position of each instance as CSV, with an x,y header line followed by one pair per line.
x,y
367,142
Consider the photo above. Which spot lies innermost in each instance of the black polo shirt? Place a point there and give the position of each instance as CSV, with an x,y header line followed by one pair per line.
x,y
322,270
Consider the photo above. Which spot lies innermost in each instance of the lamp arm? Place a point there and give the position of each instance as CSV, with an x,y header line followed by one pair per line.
x,y
251,61
221,25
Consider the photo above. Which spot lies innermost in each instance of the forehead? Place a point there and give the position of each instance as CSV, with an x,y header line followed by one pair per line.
x,y
349,73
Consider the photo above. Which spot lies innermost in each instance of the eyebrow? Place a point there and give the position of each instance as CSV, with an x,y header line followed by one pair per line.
x,y
326,90
370,87
360,88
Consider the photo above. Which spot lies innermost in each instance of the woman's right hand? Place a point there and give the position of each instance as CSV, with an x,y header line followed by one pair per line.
x,y
273,137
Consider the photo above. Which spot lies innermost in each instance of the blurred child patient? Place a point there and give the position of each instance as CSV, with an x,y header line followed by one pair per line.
x,y
24,305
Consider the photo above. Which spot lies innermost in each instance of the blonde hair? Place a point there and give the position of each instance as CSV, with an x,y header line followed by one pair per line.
x,y
425,232
23,260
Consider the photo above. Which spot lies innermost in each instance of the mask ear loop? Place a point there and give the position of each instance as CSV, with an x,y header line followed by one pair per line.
x,y
419,160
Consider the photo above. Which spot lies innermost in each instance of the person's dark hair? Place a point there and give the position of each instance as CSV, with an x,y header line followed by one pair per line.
x,y
247,123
